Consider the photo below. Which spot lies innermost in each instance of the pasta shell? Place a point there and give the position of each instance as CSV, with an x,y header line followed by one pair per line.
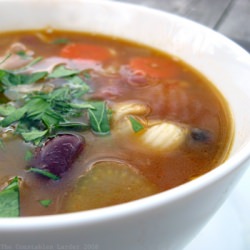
x,y
164,136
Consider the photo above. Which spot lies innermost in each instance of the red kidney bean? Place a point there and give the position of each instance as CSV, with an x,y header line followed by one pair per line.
x,y
58,154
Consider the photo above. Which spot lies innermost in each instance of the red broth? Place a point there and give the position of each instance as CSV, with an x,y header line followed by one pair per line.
x,y
108,121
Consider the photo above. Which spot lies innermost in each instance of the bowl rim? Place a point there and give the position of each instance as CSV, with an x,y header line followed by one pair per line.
x,y
147,203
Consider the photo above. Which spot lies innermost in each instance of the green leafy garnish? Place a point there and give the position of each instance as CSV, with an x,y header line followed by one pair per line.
x,y
72,126
14,116
2,144
34,136
23,54
28,155
98,116
61,41
136,125
38,115
6,58
61,71
45,173
45,203
13,79
6,109
9,200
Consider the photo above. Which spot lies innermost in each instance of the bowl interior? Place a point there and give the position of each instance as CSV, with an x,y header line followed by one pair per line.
x,y
220,60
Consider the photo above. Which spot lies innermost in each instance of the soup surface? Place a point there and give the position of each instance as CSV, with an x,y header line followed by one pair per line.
x,y
89,121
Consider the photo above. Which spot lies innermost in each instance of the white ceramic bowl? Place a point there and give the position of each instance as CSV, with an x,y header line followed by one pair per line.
x,y
170,219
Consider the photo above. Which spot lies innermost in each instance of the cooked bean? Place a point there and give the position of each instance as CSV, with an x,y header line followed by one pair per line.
x,y
58,154
200,135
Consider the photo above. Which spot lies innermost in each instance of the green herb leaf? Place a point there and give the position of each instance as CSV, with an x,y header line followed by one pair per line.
x,y
35,61
99,121
2,144
34,135
9,200
23,54
72,126
84,105
28,155
136,125
6,109
14,116
61,71
32,78
11,79
45,203
44,173
61,41
6,58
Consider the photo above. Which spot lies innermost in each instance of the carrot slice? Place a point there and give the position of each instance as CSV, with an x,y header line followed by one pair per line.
x,y
85,51
154,67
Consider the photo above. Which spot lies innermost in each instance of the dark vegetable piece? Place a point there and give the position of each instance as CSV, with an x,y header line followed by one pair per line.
x,y
200,135
58,154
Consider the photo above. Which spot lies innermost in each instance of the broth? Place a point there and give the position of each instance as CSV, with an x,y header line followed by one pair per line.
x,y
109,121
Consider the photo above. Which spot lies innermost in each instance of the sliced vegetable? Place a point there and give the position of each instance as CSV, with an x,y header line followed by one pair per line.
x,y
154,67
9,199
86,51
108,183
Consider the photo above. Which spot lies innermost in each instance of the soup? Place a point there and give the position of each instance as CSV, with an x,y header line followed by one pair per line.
x,y
89,121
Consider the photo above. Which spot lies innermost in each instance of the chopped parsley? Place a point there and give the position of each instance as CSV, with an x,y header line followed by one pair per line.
x,y
2,147
9,199
45,203
61,71
136,125
23,55
61,41
99,121
45,173
8,78
6,58
28,155
40,115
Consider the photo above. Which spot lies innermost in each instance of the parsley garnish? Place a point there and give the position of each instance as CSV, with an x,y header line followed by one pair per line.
x,y
61,41
61,71
8,78
23,54
2,144
136,125
40,115
9,199
98,116
6,58
45,173
45,203
28,155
